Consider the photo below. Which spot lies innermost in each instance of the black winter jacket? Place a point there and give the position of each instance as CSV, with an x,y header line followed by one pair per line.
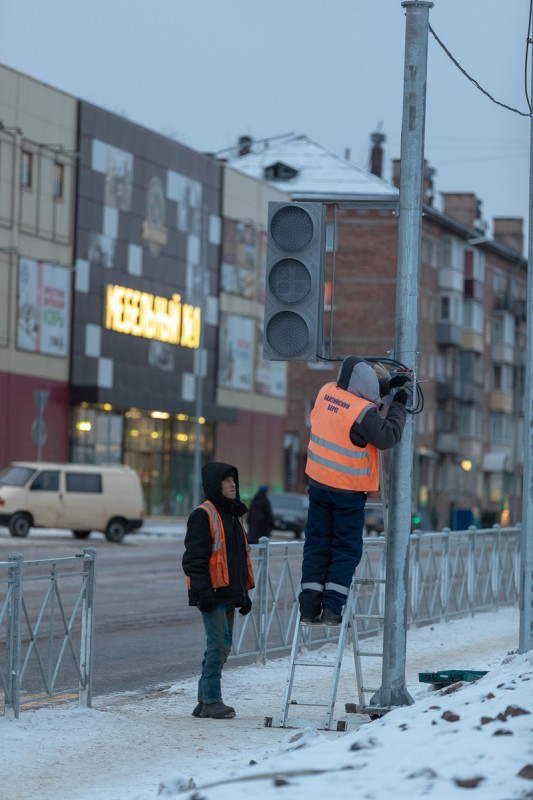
x,y
198,541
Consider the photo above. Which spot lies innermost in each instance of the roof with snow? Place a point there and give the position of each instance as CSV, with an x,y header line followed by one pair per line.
x,y
307,171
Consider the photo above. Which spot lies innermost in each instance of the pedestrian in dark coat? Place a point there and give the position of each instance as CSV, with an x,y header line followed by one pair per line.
x,y
219,574
260,517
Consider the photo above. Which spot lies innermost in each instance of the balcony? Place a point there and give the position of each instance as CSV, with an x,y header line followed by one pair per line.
x,y
501,401
449,334
448,443
502,353
448,390
473,341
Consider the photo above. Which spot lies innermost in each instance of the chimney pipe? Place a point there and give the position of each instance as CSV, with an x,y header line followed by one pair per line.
x,y
376,154
245,145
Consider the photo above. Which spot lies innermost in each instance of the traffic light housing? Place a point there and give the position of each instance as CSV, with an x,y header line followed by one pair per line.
x,y
294,290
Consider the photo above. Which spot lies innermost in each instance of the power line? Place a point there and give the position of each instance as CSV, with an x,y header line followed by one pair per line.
x,y
473,80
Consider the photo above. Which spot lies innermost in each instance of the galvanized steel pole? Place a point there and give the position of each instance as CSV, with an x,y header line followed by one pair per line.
x,y
526,544
393,691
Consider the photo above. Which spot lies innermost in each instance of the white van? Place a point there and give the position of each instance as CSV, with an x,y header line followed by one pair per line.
x,y
79,497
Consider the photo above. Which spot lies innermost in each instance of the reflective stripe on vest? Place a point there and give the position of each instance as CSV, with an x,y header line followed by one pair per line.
x,y
218,562
331,458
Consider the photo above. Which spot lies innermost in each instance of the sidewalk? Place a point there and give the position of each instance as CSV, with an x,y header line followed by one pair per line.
x,y
126,746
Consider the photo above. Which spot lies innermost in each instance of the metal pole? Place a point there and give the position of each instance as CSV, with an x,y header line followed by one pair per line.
x,y
393,691
199,364
526,536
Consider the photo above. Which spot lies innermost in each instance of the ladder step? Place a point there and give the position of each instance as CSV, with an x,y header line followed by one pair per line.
x,y
369,616
369,653
368,581
319,705
315,663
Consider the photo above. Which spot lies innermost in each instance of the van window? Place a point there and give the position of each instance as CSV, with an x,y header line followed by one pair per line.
x,y
84,482
16,476
46,481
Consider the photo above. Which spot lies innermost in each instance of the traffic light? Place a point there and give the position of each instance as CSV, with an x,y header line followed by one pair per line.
x,y
294,291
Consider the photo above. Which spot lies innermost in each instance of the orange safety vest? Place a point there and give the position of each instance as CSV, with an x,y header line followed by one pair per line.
x,y
218,563
331,457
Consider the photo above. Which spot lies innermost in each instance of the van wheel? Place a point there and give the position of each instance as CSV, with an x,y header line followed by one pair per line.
x,y
116,530
19,524
81,534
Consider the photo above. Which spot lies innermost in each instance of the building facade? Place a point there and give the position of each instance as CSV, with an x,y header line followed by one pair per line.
x,y
38,142
256,389
468,457
145,309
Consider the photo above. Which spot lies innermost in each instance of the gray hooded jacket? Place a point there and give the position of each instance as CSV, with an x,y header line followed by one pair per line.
x,y
359,377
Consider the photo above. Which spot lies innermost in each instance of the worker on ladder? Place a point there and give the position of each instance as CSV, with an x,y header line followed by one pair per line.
x,y
347,431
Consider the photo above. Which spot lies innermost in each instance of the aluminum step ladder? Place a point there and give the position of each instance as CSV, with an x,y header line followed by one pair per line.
x,y
347,629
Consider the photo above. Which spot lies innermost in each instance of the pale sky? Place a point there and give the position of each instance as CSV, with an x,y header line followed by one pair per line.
x,y
206,72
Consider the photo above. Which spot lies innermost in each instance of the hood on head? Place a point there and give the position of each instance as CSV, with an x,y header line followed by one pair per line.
x,y
213,474
358,377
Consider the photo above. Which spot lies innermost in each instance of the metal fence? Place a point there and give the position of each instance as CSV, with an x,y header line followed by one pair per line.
x,y
451,574
57,642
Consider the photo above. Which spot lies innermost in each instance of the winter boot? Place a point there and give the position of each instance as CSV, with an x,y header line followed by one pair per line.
x,y
217,711
329,617
197,712
310,606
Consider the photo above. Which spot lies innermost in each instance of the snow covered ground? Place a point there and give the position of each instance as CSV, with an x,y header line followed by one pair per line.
x,y
475,742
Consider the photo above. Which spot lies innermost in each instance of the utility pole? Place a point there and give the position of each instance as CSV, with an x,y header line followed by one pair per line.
x,y
200,361
526,543
393,690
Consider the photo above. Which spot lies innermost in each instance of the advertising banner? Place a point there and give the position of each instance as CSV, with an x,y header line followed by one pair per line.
x,y
43,308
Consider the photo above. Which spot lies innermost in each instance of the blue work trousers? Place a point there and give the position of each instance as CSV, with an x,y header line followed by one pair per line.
x,y
218,626
333,543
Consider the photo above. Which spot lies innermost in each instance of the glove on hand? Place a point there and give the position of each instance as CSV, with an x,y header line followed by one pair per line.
x,y
207,602
399,380
246,607
403,396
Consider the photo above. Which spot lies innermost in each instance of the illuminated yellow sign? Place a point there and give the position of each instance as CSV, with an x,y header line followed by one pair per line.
x,y
153,317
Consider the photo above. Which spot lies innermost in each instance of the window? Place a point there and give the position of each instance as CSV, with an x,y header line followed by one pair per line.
x,y
46,481
473,316
451,309
59,174
470,422
84,482
502,378
330,237
26,169
475,265
501,429
451,255
471,366
503,328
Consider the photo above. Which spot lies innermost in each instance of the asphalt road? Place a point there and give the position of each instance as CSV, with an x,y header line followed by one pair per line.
x,y
146,635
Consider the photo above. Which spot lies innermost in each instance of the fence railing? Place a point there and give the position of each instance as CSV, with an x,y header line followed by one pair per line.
x,y
451,573
57,642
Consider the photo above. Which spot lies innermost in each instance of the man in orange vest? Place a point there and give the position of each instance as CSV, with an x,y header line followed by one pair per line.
x,y
219,574
347,431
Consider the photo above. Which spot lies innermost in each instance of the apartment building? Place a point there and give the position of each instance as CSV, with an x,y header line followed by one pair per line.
x,y
468,457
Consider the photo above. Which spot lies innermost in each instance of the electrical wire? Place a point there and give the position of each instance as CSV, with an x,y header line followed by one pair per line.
x,y
473,80
418,406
